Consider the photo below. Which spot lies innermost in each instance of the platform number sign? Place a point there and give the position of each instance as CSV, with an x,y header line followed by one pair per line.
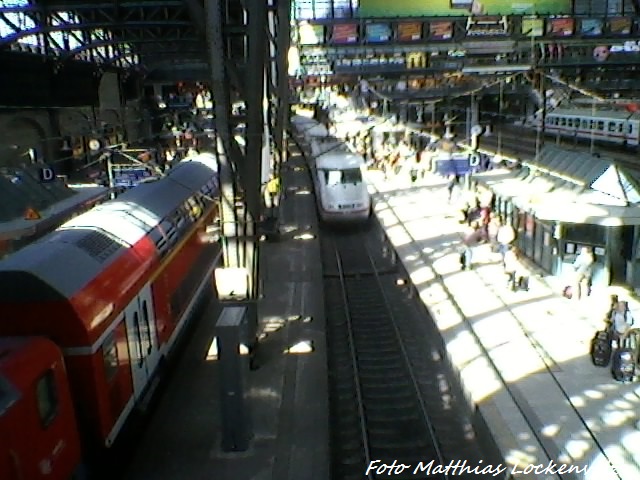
x,y
46,174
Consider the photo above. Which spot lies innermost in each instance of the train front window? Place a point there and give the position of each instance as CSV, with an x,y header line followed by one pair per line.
x,y
344,177
47,397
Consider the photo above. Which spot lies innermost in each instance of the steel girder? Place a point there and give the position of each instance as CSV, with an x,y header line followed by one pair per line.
x,y
136,23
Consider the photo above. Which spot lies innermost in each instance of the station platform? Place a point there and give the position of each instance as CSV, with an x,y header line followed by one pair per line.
x,y
286,385
523,357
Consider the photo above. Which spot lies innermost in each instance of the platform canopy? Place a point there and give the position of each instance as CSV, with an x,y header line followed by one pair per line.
x,y
571,187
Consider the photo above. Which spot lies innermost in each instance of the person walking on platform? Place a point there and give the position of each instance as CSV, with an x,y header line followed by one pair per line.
x,y
272,192
471,239
505,238
511,266
583,267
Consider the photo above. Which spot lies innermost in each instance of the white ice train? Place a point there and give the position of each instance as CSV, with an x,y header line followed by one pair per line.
x,y
341,191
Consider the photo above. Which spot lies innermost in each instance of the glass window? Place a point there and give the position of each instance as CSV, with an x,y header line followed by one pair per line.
x,y
612,126
337,177
600,125
110,357
147,325
136,325
47,397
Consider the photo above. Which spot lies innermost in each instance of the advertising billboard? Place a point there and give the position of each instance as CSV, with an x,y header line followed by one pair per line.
x,y
345,33
533,27
560,27
441,30
409,31
311,34
591,27
459,8
620,26
378,32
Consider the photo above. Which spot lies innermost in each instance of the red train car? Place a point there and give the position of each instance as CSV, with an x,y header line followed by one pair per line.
x,y
35,403
114,287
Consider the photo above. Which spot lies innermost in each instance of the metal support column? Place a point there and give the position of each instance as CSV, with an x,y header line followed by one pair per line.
x,y
255,81
231,330
237,280
283,42
220,91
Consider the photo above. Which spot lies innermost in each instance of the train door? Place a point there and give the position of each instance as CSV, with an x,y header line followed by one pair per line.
x,y
142,339
150,329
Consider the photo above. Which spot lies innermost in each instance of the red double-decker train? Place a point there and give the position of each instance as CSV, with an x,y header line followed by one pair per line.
x,y
98,304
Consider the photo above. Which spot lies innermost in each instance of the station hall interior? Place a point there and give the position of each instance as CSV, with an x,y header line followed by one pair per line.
x,y
260,239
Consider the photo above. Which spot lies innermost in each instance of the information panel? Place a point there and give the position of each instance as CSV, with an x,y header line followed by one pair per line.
x,y
417,8
126,175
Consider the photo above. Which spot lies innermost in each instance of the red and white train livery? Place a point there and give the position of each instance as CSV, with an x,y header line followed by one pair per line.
x,y
113,288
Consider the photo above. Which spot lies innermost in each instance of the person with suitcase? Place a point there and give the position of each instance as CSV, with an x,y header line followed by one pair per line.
x,y
621,321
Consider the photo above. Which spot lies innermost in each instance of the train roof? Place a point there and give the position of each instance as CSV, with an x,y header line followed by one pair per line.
x,y
63,262
588,112
339,160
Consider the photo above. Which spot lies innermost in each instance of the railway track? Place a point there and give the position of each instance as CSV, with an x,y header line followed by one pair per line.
x,y
384,386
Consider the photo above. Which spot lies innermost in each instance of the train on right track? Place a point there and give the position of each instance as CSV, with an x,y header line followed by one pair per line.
x,y
616,127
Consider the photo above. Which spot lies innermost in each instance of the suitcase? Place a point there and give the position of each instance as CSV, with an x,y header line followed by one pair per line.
x,y
601,349
623,365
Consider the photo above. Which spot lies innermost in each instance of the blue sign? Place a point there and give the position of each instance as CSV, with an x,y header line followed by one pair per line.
x,y
129,175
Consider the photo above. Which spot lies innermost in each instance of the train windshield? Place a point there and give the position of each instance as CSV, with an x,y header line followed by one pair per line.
x,y
338,177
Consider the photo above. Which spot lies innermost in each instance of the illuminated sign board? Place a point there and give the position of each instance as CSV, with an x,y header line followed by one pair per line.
x,y
441,30
345,33
378,32
311,34
533,27
418,8
591,27
560,27
620,26
409,31
416,60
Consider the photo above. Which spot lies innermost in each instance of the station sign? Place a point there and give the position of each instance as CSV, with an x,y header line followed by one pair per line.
x,y
46,174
